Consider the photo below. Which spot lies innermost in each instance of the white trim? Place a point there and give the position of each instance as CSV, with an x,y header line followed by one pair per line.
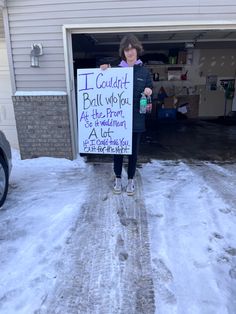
x,y
40,93
67,44
152,26
72,94
9,48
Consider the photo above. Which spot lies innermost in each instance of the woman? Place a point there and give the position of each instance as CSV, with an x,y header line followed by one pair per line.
x,y
130,50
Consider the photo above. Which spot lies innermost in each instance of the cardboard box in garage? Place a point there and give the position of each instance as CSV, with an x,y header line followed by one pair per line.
x,y
170,102
192,102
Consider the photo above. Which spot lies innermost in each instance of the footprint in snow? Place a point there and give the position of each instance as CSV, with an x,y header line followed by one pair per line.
x,y
232,273
225,210
231,251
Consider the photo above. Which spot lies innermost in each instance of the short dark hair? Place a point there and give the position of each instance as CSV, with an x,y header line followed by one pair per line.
x,y
130,40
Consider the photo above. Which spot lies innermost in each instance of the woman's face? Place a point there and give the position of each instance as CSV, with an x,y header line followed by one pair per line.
x,y
130,54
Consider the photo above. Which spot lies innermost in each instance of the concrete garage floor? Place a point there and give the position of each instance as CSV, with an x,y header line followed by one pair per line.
x,y
184,139
197,140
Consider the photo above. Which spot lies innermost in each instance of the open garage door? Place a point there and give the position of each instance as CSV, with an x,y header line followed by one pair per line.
x,y
194,81
191,68
7,117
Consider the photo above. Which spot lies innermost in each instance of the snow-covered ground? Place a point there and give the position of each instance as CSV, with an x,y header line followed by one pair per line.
x,y
191,211
44,200
192,222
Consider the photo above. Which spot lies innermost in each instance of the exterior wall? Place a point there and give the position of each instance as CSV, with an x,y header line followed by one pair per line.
x,y
7,117
42,21
43,126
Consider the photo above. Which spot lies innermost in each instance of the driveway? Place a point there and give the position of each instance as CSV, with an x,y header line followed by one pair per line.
x,y
69,245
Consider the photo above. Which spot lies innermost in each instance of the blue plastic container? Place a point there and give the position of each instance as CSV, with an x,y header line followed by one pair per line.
x,y
166,113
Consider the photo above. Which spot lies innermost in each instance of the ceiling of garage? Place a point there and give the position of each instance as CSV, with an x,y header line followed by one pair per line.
x,y
105,42
160,37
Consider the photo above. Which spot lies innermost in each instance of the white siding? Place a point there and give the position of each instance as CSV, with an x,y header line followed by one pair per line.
x,y
42,20
7,117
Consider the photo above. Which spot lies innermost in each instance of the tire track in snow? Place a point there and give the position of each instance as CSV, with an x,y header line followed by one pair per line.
x,y
107,260
137,273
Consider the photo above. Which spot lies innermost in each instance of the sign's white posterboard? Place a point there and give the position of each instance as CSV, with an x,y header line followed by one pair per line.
x,y
105,110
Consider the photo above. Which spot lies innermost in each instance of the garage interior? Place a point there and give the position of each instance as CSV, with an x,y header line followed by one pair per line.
x,y
194,104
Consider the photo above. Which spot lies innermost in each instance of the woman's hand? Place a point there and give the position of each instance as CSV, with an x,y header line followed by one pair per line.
x,y
104,66
148,91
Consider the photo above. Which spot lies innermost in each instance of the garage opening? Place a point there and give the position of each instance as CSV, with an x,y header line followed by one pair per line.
x,y
193,85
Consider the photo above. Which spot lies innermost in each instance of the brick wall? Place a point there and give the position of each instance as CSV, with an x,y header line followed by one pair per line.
x,y
43,126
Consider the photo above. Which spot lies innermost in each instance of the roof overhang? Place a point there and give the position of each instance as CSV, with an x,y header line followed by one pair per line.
x,y
2,4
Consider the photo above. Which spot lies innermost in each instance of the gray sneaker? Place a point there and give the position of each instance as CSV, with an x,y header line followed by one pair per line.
x,y
130,189
117,186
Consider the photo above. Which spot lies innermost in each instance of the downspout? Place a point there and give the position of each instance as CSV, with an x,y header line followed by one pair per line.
x,y
3,7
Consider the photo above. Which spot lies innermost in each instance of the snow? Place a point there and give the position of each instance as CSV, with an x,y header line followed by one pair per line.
x,y
44,199
191,219
40,93
191,228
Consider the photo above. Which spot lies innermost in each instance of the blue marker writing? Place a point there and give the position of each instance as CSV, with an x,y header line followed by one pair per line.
x,y
86,81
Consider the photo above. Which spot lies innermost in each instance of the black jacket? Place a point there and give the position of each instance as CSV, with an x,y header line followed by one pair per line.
x,y
142,79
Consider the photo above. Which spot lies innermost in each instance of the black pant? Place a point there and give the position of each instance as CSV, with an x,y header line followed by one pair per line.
x,y
118,159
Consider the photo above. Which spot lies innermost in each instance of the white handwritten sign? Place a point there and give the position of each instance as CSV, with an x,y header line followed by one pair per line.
x,y
105,106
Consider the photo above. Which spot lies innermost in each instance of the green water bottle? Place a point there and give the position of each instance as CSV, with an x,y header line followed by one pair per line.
x,y
143,104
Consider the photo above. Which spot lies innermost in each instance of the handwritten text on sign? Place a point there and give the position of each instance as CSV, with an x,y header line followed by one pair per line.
x,y
105,106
